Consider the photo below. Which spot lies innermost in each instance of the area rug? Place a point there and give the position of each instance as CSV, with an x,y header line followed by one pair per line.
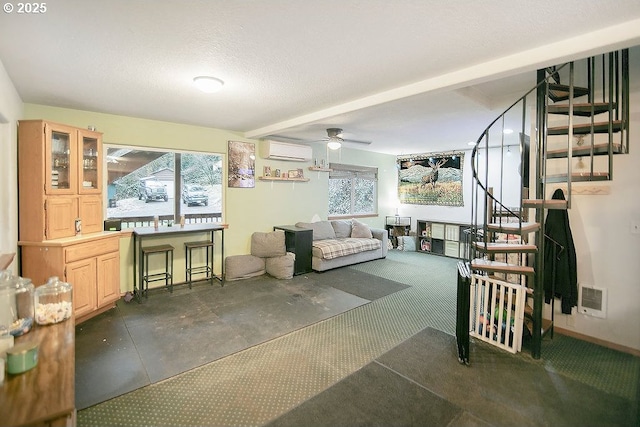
x,y
360,284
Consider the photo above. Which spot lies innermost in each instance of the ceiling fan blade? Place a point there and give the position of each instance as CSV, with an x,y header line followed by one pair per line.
x,y
355,141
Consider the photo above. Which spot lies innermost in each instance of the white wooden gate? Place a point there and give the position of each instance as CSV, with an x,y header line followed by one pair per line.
x,y
497,312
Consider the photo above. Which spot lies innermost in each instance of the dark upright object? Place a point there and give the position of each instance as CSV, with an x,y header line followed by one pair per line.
x,y
299,241
462,315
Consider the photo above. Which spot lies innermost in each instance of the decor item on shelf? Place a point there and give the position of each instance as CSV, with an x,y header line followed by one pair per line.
x,y
242,157
293,173
267,170
278,173
431,179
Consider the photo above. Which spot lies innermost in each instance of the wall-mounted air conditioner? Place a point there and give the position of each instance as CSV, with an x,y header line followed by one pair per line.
x,y
276,150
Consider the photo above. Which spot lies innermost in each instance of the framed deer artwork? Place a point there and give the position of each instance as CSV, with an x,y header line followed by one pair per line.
x,y
431,179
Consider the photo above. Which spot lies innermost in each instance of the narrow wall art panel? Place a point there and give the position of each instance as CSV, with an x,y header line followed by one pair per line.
x,y
431,179
242,165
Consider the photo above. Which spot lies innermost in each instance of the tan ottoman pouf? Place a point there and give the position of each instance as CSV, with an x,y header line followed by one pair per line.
x,y
238,267
281,267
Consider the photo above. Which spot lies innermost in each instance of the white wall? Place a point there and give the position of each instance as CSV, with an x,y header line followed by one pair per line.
x,y
10,111
607,250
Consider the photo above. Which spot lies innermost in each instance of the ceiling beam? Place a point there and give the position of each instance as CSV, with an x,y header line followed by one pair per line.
x,y
588,44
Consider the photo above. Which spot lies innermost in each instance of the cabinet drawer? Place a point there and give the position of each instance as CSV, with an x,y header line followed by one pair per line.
x,y
91,249
452,249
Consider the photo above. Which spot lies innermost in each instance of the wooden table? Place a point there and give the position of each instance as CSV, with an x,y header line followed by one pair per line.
x,y
44,395
141,233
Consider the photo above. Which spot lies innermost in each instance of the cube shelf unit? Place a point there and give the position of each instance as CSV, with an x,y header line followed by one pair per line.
x,y
442,238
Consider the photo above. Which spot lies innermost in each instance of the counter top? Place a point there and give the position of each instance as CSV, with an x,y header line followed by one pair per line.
x,y
46,392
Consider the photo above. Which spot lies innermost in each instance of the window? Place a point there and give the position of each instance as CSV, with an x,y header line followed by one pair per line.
x,y
144,183
353,190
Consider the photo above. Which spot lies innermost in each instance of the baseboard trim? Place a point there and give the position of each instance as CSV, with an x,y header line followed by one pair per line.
x,y
598,341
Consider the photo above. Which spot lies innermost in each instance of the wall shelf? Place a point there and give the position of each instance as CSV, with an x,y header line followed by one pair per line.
x,y
273,178
320,169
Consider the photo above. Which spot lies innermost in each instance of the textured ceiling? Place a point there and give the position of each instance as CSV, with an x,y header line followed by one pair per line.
x,y
409,75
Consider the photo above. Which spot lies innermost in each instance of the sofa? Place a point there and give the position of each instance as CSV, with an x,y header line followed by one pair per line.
x,y
337,243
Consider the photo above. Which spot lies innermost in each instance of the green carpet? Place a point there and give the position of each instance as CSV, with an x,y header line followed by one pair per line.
x,y
204,324
420,383
261,383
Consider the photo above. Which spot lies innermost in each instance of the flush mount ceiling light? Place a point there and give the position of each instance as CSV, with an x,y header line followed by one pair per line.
x,y
208,84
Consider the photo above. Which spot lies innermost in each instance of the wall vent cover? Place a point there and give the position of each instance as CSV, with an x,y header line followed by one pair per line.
x,y
592,301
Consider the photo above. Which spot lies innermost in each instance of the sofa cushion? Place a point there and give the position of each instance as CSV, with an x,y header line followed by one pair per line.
x,y
342,228
334,248
321,229
266,245
360,230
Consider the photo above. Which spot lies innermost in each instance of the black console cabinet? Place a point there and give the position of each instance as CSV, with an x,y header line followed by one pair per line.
x,y
298,240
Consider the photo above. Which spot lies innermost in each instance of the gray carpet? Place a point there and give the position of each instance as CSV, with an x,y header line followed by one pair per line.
x,y
420,382
136,345
361,284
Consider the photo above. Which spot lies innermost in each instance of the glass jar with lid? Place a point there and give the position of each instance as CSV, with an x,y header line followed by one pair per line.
x,y
16,304
53,302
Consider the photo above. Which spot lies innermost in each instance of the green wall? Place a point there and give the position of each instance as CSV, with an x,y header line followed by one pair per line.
x,y
245,210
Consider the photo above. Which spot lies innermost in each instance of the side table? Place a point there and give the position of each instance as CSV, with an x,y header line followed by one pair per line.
x,y
397,226
298,240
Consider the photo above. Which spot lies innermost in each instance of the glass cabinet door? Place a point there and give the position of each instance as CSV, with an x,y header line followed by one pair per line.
x,y
60,155
90,162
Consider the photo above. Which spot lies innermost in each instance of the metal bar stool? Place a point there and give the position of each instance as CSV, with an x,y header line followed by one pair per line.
x,y
206,269
166,275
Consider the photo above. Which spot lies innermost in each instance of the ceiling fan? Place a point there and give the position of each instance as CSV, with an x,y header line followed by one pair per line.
x,y
334,139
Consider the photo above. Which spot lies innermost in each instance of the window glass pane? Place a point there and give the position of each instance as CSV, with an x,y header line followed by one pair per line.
x,y
145,183
364,196
352,190
201,184
339,196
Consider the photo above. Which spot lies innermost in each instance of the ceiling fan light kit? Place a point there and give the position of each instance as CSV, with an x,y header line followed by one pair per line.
x,y
334,144
335,138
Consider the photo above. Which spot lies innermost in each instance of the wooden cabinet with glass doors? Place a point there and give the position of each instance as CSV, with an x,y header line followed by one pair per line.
x,y
60,180
60,209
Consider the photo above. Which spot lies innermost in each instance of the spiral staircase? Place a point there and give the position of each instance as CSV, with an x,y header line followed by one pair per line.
x,y
578,117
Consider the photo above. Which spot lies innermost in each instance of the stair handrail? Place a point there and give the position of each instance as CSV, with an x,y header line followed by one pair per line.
x,y
474,152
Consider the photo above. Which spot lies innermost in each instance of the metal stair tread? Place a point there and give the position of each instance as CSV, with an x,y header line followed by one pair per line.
x,y
598,149
500,267
582,109
513,227
493,247
585,128
547,325
560,92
